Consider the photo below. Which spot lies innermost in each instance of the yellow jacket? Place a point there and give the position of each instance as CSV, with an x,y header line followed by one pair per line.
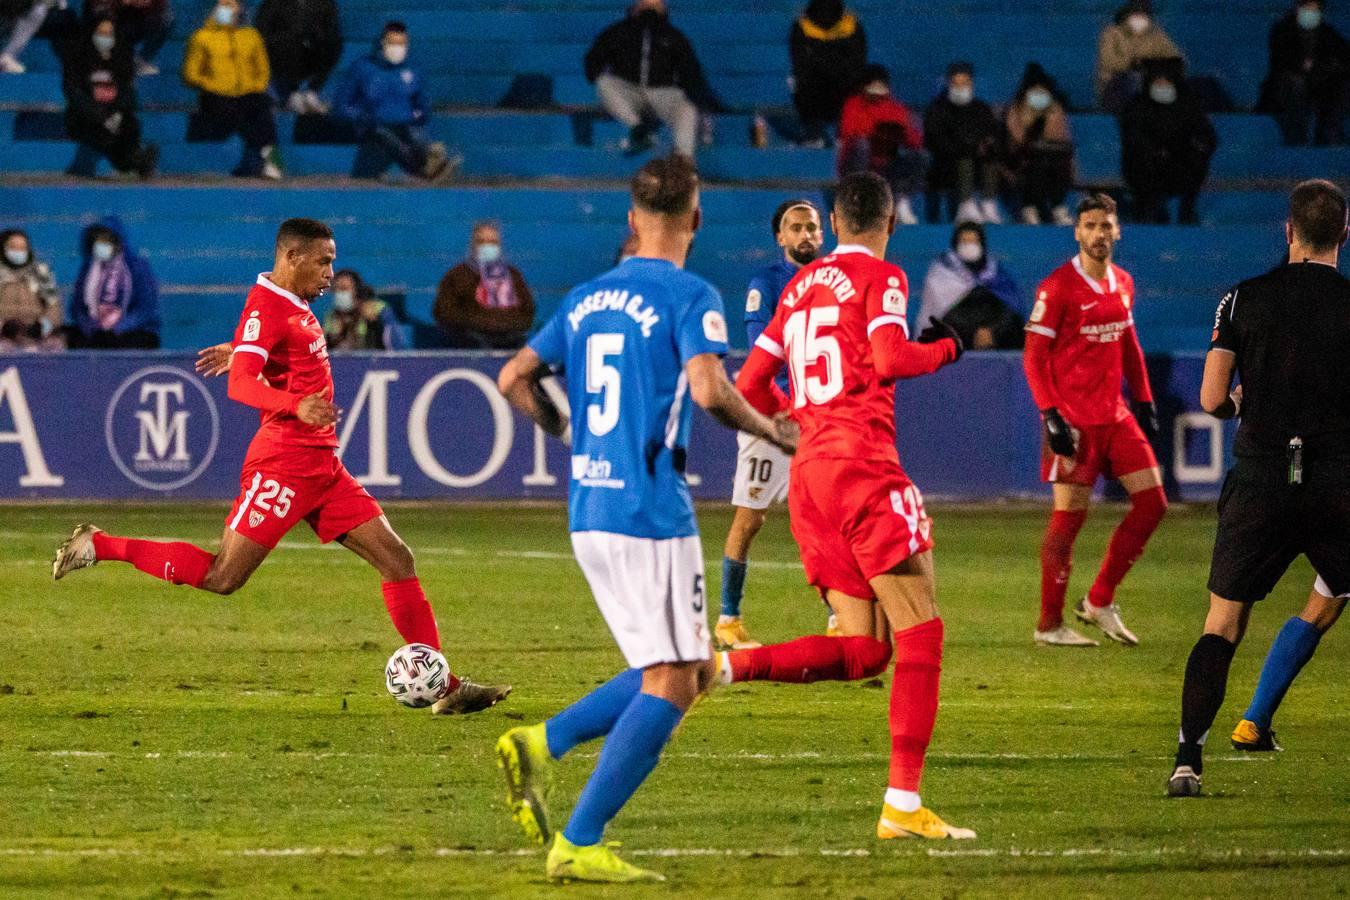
x,y
227,61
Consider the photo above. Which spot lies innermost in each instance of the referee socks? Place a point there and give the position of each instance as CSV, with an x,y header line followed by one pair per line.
x,y
1202,695
1293,647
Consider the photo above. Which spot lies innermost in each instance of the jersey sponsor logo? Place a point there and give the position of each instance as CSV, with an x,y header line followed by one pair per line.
x,y
832,278
615,301
252,328
318,344
1106,332
1038,311
162,428
753,300
591,471
714,326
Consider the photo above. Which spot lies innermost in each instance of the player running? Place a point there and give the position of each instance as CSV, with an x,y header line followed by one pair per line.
x,y
864,535
635,344
291,471
1080,339
761,469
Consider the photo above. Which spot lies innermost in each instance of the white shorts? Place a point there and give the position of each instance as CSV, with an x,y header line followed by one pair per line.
x,y
651,593
761,473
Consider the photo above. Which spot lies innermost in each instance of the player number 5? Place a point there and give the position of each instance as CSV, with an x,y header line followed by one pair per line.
x,y
603,379
806,346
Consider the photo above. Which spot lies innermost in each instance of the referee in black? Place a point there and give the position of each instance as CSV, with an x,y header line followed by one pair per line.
x,y
1287,336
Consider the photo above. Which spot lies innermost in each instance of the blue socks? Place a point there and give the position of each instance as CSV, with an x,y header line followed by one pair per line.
x,y
733,586
630,753
593,715
1293,647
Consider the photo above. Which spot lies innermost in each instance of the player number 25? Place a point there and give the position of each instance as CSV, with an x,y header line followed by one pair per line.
x,y
603,379
806,346
274,498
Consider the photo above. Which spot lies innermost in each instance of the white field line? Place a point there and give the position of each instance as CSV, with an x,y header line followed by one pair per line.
x,y
1235,853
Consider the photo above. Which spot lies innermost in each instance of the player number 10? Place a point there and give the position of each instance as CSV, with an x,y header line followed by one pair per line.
x,y
806,346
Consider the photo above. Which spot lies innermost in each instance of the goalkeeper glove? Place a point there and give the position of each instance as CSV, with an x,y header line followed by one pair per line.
x,y
1057,433
937,330
1146,413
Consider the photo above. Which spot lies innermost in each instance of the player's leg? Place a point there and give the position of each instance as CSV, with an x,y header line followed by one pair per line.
x,y
1294,646
730,633
1069,512
176,562
861,650
907,597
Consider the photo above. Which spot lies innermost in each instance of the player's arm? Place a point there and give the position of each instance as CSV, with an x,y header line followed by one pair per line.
x,y
712,390
1042,331
896,356
521,383
758,309
1221,362
755,381
214,360
1136,376
247,386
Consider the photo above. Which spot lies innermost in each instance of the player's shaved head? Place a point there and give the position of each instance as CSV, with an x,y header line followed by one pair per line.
x,y
301,231
1317,215
863,203
666,187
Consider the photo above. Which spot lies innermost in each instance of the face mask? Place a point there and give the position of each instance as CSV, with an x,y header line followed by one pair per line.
x,y
104,43
1163,93
225,16
961,96
396,53
344,301
1309,17
1039,99
969,251
17,257
1137,23
104,250
487,253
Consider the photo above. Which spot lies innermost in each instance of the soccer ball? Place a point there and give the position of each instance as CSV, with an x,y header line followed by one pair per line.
x,y
416,675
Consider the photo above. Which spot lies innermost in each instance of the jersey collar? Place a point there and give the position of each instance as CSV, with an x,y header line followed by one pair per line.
x,y
264,281
1092,283
852,248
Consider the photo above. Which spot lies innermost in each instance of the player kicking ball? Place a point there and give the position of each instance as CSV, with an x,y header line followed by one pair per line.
x,y
635,345
761,469
291,471
1080,340
865,538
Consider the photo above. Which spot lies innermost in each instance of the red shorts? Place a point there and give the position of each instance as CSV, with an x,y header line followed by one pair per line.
x,y
1112,450
275,494
855,520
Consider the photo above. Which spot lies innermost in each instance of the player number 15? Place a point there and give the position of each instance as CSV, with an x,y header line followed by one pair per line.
x,y
807,346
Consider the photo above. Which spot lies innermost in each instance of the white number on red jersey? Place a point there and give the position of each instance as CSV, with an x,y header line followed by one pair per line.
x,y
806,345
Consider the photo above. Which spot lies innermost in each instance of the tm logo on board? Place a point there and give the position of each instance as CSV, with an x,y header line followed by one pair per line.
x,y
162,428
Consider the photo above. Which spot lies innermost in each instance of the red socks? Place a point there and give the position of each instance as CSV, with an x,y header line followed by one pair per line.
x,y
1056,563
812,658
914,700
411,612
172,561
1127,543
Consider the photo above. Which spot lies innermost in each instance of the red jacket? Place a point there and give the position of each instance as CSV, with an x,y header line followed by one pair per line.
x,y
884,123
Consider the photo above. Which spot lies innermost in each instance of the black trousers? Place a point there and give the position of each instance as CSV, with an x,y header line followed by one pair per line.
x,y
297,59
120,149
250,116
1295,98
1163,175
1044,176
107,340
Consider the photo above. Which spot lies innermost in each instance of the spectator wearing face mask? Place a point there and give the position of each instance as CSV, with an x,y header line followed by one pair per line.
x,y
963,138
145,24
1040,149
971,290
878,133
645,72
30,303
115,301
1309,76
99,82
384,97
1166,142
828,50
227,63
484,302
358,319
304,44
1125,47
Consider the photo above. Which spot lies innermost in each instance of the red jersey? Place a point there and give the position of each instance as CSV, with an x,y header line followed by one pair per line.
x,y
279,326
822,328
1092,344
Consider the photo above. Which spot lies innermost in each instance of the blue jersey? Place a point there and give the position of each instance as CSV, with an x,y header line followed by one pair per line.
x,y
623,340
761,301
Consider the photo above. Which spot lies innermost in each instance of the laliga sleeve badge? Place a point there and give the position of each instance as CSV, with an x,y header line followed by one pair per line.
x,y
1038,311
894,300
714,326
252,328
753,301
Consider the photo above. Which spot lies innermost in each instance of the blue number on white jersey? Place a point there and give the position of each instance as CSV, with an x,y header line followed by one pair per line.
x,y
623,340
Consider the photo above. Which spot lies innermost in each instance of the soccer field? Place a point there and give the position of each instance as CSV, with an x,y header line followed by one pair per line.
x,y
155,741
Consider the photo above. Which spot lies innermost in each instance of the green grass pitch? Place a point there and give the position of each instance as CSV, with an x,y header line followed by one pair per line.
x,y
157,742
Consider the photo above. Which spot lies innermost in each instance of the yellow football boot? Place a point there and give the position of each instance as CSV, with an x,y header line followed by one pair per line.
x,y
522,755
730,634
598,862
923,822
1250,737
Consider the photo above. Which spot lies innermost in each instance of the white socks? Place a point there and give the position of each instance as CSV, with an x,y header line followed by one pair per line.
x,y
905,801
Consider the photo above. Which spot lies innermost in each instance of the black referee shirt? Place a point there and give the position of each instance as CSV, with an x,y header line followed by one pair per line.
x,y
1290,331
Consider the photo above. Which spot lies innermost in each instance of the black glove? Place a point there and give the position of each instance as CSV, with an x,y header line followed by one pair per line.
x,y
1057,433
1146,414
937,330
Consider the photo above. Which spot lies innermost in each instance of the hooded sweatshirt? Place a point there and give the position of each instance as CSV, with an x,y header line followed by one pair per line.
x,y
120,295
374,91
